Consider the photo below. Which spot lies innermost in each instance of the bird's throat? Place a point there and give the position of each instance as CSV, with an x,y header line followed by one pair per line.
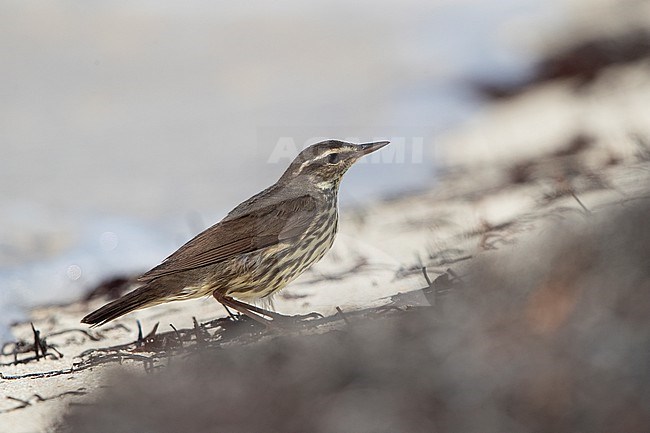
x,y
327,185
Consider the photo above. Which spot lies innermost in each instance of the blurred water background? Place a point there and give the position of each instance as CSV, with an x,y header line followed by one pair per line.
x,y
126,127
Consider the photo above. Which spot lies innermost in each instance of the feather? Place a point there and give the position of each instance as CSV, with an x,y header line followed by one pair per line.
x,y
231,237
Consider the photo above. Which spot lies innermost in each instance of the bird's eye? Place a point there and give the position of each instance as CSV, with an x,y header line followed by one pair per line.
x,y
333,158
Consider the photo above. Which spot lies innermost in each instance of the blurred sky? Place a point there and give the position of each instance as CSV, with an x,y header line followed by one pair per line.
x,y
142,107
125,119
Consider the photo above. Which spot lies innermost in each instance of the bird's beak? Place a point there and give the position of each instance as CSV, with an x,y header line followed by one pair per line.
x,y
367,148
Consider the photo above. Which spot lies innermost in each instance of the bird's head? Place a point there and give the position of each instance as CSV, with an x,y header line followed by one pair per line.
x,y
324,164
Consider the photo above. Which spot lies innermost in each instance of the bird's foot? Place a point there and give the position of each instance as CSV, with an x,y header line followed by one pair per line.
x,y
268,318
283,321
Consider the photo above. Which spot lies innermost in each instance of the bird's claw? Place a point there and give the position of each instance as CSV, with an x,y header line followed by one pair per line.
x,y
282,321
309,316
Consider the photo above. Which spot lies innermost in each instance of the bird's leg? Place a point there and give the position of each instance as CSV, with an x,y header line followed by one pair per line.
x,y
277,317
232,316
260,314
251,311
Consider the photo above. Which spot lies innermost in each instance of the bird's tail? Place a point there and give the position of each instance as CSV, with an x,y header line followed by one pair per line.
x,y
139,298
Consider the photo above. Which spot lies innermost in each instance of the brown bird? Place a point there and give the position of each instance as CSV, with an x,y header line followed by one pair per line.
x,y
260,246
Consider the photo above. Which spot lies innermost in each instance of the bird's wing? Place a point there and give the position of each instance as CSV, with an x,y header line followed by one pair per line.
x,y
264,227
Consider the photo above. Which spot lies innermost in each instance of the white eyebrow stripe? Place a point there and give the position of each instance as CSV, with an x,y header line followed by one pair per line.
x,y
303,165
309,161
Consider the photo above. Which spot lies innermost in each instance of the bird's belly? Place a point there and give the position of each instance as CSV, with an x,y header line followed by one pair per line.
x,y
268,271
